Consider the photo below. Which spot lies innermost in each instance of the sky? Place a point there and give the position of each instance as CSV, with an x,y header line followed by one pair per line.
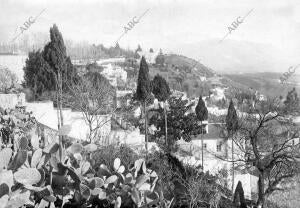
x,y
167,24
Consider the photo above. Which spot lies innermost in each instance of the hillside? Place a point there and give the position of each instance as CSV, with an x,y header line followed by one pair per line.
x,y
266,82
185,74
231,56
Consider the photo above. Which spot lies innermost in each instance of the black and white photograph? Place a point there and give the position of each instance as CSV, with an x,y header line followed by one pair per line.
x,y
149,104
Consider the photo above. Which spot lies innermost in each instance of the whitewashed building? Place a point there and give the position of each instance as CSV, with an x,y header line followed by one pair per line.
x,y
113,73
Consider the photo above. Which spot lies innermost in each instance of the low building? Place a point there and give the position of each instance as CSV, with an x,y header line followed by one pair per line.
x,y
113,73
216,151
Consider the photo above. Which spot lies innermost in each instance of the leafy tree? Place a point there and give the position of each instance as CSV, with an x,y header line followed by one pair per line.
x,y
160,88
143,91
161,91
181,123
231,125
202,115
151,50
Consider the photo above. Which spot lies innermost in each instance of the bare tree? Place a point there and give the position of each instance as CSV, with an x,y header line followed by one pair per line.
x,y
265,142
94,97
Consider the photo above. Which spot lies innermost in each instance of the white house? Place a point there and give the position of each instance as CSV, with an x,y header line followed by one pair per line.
x,y
149,56
216,153
218,93
111,60
113,73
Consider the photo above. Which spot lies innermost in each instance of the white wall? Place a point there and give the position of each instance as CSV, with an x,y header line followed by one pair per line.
x,y
11,100
46,114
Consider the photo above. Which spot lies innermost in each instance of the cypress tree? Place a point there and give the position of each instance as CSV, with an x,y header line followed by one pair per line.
x,y
239,198
232,126
201,110
231,119
202,115
61,68
161,91
143,91
56,56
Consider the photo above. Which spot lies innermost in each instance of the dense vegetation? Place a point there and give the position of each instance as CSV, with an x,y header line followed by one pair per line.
x,y
36,172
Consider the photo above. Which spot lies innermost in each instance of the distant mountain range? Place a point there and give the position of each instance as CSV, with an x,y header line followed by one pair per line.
x,y
266,82
231,56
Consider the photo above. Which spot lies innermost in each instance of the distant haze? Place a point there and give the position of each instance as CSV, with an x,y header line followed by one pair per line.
x,y
267,40
232,56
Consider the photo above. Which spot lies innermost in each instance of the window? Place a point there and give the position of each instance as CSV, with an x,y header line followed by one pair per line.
x,y
203,129
219,147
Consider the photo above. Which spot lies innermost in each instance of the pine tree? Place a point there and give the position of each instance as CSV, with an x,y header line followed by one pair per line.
x,y
143,91
232,126
202,115
161,91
